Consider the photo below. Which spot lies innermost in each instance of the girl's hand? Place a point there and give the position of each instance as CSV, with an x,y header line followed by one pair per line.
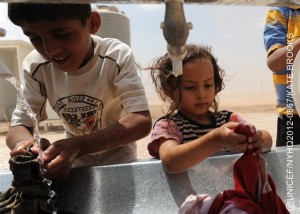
x,y
231,140
246,129
255,139
257,143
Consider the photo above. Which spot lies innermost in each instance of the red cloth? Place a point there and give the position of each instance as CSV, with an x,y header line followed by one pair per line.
x,y
254,193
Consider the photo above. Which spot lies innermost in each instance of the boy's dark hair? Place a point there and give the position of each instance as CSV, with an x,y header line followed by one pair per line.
x,y
20,12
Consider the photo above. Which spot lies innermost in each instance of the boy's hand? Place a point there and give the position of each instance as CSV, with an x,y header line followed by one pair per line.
x,y
59,157
44,144
20,148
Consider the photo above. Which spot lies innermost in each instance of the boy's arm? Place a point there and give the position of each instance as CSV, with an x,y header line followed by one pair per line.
x,y
127,130
62,153
18,138
279,39
278,60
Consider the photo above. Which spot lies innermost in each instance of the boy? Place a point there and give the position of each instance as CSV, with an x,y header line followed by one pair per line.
x,y
281,42
90,82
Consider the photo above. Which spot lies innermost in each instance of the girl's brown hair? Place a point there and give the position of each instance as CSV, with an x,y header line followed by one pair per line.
x,y
165,83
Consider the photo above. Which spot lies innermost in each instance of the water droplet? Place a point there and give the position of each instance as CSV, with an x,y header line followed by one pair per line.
x,y
50,201
43,170
26,107
47,181
51,194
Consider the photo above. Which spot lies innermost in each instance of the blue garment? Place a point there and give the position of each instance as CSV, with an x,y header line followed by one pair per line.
x,y
282,28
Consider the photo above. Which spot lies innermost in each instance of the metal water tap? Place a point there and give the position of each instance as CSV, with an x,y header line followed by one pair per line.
x,y
176,31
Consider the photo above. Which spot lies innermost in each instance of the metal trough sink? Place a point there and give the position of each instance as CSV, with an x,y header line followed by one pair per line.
x,y
144,187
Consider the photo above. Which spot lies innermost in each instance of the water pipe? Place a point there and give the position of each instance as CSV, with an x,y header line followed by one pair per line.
x,y
176,31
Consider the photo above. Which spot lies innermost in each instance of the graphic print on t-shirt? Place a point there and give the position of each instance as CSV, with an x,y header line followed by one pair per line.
x,y
81,113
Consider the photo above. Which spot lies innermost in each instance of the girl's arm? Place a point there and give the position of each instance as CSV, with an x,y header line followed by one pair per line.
x,y
180,157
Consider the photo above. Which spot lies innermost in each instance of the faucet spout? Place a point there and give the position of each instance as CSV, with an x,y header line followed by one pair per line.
x,y
176,31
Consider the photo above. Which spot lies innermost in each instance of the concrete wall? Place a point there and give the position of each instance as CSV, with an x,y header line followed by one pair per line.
x,y
12,53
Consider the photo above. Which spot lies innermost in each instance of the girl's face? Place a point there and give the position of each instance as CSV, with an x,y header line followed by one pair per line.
x,y
197,89
66,43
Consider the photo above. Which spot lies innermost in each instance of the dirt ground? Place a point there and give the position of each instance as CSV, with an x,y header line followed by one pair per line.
x,y
262,116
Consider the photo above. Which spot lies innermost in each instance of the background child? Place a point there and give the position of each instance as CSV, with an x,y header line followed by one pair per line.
x,y
92,83
194,129
282,43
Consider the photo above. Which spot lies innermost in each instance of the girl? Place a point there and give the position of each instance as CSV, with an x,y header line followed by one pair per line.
x,y
194,129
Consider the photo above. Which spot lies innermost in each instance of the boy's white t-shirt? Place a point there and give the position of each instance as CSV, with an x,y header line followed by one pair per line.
x,y
88,99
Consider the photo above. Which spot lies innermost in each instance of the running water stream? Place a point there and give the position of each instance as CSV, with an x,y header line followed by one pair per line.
x,y
8,77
